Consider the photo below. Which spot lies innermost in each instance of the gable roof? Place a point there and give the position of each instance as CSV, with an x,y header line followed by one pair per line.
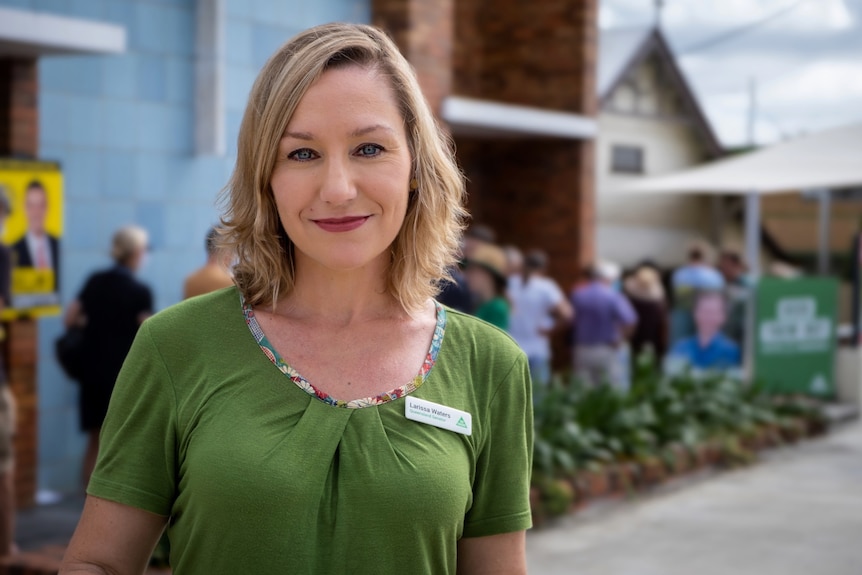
x,y
622,50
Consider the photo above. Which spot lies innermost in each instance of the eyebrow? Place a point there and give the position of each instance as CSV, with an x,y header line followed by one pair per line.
x,y
355,133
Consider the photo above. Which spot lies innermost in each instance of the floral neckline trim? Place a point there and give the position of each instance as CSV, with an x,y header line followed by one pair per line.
x,y
308,387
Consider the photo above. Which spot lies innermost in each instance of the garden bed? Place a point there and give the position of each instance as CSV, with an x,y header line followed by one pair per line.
x,y
598,443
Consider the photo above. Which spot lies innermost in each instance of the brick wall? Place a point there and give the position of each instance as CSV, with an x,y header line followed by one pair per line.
x,y
531,53
534,192
19,112
423,30
19,129
22,338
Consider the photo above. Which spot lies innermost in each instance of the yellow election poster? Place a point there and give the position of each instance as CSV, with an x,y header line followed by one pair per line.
x,y
31,226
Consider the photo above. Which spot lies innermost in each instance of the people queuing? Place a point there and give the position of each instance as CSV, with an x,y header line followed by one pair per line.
x,y
111,307
539,308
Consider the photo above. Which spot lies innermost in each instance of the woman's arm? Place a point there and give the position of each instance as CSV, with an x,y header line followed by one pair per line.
x,y
503,554
74,314
112,539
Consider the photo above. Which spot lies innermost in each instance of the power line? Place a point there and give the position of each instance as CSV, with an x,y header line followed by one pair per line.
x,y
740,31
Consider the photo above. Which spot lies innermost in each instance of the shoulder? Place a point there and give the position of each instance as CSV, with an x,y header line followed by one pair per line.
x,y
206,314
465,329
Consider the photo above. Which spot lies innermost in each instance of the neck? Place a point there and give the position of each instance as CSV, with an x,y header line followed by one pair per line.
x,y
704,339
339,297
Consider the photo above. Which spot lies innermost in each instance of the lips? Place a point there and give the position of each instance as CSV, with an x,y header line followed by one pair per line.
x,y
344,224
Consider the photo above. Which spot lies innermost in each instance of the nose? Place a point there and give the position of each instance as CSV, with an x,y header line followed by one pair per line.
x,y
337,186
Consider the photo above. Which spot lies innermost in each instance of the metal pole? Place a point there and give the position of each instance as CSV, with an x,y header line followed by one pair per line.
x,y
752,257
823,232
752,233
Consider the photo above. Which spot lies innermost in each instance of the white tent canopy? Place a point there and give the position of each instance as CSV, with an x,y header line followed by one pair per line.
x,y
824,160
821,161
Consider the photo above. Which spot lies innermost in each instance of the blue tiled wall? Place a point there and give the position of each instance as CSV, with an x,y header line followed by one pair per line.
x,y
122,127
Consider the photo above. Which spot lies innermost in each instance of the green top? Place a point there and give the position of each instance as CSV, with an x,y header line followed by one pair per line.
x,y
259,475
495,311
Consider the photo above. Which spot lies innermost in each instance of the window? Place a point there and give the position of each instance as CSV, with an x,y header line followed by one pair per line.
x,y
627,159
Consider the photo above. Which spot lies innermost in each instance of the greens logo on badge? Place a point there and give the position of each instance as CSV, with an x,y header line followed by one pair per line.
x,y
438,415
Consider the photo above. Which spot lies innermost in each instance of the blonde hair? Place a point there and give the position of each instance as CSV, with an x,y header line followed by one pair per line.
x,y
127,241
427,244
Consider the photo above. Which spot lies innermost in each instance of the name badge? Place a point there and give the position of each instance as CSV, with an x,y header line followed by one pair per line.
x,y
438,415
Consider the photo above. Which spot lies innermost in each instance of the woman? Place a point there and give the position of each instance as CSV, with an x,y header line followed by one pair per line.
x,y
325,416
111,306
646,294
486,277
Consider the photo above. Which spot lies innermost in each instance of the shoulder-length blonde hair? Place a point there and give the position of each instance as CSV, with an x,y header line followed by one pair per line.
x,y
427,244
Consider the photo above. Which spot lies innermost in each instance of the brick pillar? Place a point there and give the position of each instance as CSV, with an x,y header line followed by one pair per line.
x,y
19,137
423,31
22,345
585,24
19,110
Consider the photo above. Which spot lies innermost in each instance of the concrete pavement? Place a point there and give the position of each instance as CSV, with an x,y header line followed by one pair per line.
x,y
798,512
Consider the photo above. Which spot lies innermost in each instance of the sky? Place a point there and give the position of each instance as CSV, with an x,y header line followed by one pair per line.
x,y
805,63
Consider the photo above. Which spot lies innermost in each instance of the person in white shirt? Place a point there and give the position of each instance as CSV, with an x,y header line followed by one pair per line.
x,y
538,308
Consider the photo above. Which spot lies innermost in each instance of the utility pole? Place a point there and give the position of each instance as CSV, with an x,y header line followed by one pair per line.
x,y
659,5
752,111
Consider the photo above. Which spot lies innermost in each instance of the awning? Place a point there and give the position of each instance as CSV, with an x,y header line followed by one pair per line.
x,y
31,33
821,161
486,118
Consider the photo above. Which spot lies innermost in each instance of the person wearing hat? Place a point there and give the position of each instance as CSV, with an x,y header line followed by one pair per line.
x,y
646,294
486,277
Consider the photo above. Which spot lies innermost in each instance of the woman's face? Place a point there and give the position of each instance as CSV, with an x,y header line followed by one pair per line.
x,y
343,170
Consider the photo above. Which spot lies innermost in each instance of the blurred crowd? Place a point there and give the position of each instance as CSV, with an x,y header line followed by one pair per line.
x,y
692,316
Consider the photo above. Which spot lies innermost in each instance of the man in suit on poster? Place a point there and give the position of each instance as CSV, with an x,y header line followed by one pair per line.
x,y
37,249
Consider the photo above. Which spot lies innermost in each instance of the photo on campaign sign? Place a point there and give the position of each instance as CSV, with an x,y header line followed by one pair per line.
x,y
31,226
708,319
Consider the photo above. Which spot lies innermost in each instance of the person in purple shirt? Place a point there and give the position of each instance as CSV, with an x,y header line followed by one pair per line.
x,y
604,318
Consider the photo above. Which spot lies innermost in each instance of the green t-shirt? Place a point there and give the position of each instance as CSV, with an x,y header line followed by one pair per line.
x,y
260,476
495,311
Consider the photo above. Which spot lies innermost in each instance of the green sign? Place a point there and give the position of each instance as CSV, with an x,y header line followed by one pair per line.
x,y
795,328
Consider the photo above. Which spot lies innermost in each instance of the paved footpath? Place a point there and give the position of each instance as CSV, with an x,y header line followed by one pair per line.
x,y
798,512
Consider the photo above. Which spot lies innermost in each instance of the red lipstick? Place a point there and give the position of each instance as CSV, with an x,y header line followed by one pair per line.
x,y
345,224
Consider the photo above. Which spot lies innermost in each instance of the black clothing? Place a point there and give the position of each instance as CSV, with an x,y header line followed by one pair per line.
x,y
651,329
112,301
456,294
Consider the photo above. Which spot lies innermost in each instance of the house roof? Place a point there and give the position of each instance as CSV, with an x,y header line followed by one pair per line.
x,y
621,50
618,47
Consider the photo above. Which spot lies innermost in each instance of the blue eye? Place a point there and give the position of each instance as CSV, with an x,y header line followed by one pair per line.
x,y
369,150
301,155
